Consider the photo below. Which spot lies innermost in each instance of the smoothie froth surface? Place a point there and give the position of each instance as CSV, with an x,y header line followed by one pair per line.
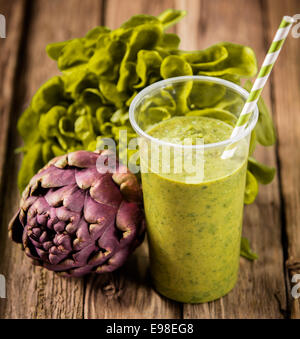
x,y
210,130
177,129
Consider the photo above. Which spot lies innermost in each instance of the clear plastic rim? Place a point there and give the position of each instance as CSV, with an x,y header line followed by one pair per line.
x,y
164,83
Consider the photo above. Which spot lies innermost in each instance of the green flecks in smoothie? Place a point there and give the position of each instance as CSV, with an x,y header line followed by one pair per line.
x,y
194,229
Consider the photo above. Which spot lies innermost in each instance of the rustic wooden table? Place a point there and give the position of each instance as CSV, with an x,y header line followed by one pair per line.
x,y
272,223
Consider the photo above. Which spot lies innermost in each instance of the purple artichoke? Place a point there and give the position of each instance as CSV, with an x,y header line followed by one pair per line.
x,y
74,220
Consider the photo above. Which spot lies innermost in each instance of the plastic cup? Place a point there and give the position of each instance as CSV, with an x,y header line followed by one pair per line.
x,y
194,219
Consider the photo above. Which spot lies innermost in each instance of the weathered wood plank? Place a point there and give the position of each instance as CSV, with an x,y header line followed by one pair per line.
x,y
286,107
14,14
127,293
34,292
260,291
119,11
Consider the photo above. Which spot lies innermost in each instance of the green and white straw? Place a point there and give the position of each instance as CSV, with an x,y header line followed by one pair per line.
x,y
261,79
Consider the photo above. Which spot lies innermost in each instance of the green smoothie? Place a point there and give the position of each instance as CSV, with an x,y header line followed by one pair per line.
x,y
194,228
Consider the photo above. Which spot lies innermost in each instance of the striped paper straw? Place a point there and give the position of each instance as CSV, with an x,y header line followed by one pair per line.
x,y
261,79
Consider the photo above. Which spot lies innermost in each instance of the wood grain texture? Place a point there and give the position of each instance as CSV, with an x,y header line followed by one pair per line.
x,y
14,13
34,292
127,293
9,47
260,291
118,11
286,107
